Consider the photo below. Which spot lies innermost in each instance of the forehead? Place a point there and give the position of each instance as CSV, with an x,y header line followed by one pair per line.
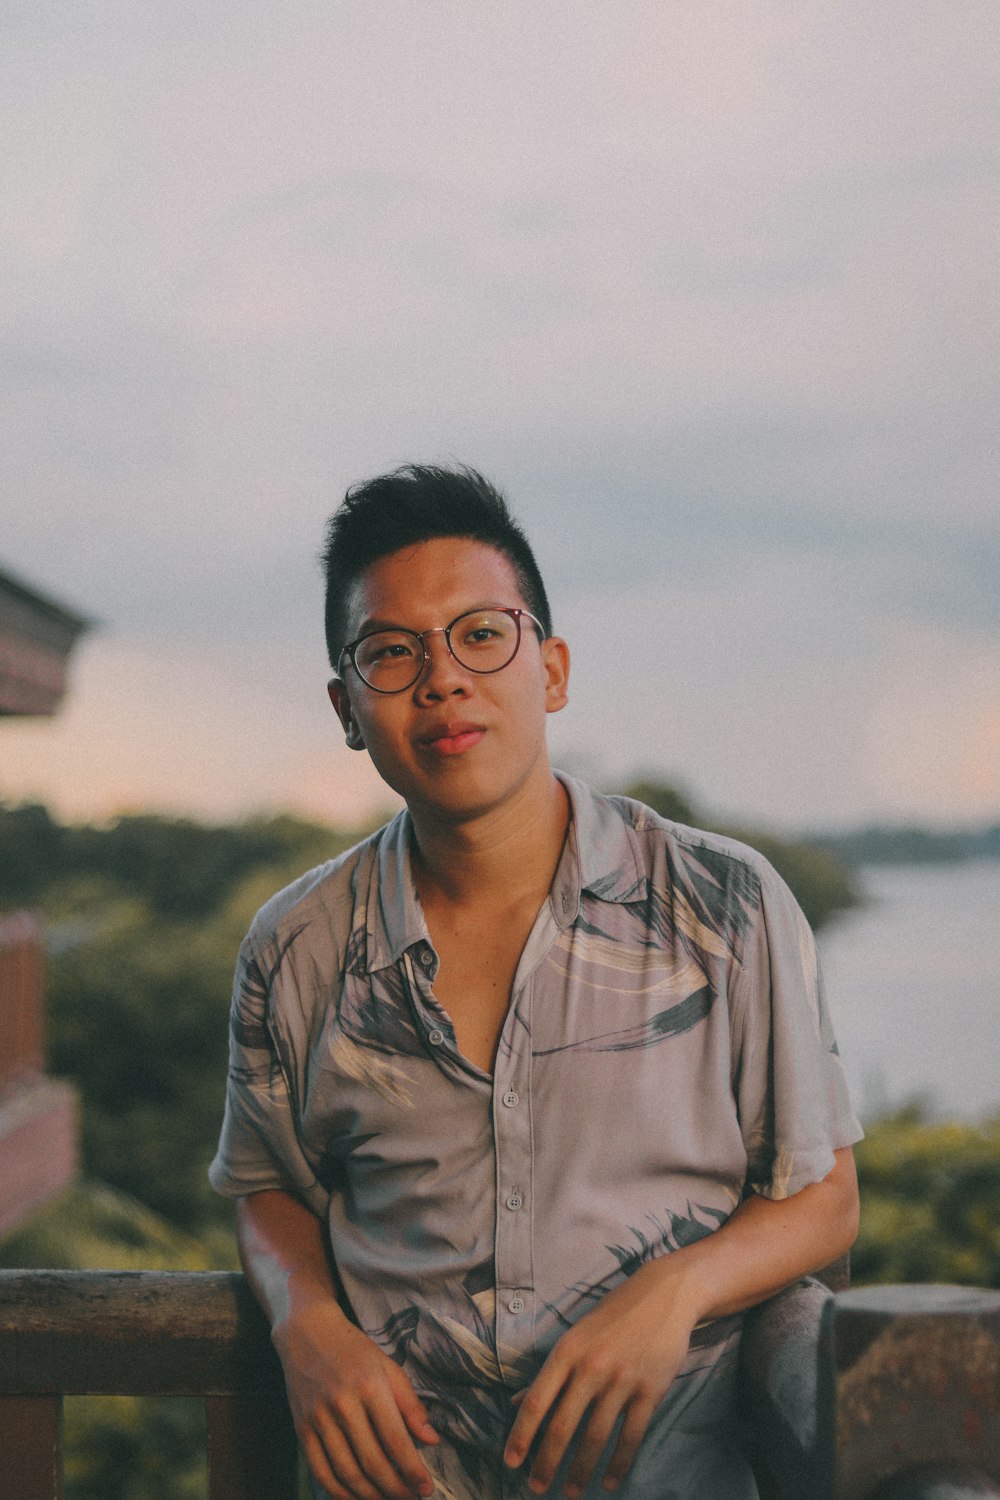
x,y
430,583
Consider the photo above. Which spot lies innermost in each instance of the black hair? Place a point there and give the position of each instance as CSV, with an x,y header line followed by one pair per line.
x,y
414,504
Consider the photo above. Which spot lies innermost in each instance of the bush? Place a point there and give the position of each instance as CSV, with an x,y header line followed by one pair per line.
x,y
930,1202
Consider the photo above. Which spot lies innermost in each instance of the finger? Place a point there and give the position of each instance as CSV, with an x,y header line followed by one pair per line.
x,y
564,1421
321,1471
411,1408
533,1404
329,1456
356,1455
396,1445
633,1431
596,1436
377,1460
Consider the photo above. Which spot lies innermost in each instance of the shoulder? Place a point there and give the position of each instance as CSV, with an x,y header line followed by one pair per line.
x,y
321,904
716,854
723,893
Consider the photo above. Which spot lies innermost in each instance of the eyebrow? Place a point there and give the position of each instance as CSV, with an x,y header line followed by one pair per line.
x,y
369,627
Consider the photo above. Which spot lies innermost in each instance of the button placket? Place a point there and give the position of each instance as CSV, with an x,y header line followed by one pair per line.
x,y
514,1214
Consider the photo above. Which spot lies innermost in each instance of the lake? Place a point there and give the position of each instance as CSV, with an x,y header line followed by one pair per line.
x,y
913,981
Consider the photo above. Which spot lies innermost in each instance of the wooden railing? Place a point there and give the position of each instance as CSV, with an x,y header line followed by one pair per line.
x,y
887,1393
141,1333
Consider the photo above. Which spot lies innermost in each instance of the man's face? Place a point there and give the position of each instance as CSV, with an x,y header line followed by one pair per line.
x,y
457,743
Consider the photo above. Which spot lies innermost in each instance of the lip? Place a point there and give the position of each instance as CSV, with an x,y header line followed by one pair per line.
x,y
452,738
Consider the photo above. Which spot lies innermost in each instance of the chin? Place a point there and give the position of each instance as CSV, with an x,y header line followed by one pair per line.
x,y
456,798
460,788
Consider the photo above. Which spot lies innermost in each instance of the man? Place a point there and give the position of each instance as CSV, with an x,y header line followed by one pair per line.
x,y
532,1093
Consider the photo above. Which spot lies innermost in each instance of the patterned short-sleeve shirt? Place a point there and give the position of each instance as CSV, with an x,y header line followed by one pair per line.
x,y
666,1050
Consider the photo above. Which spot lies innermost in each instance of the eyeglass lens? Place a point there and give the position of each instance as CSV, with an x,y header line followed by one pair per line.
x,y
483,641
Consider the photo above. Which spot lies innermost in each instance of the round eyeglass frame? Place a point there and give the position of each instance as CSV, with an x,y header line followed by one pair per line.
x,y
517,615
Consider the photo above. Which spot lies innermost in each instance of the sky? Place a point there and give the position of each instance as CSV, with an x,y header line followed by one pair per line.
x,y
709,289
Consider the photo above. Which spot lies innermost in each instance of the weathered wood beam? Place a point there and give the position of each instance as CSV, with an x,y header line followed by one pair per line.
x,y
133,1332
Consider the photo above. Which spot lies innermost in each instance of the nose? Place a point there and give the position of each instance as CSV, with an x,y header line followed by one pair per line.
x,y
442,676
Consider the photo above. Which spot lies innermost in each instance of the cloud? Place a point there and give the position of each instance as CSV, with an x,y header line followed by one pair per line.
x,y
710,291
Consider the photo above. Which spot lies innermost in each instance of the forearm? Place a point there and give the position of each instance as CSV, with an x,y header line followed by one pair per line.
x,y
765,1246
284,1254
355,1411
622,1356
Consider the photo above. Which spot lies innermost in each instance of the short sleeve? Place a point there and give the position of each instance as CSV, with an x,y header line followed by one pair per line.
x,y
791,1092
259,1146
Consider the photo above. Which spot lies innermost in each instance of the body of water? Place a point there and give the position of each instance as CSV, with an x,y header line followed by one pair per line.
x,y
913,981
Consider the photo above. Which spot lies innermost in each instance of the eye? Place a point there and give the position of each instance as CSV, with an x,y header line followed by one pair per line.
x,y
386,647
479,631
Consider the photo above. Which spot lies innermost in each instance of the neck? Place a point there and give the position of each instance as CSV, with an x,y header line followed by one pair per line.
x,y
507,853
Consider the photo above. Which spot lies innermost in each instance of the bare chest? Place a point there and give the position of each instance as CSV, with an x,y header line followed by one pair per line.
x,y
478,961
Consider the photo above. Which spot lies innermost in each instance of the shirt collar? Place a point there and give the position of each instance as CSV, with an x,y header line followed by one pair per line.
x,y
395,919
601,857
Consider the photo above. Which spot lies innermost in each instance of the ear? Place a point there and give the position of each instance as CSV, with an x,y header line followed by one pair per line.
x,y
555,660
341,700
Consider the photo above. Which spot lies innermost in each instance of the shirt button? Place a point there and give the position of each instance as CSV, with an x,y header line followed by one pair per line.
x,y
511,1098
435,1037
567,900
515,1200
516,1303
426,958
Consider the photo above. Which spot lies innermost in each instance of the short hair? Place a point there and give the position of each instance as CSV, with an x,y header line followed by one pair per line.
x,y
412,504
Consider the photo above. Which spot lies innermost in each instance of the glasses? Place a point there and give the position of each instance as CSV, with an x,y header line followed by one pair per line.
x,y
481,640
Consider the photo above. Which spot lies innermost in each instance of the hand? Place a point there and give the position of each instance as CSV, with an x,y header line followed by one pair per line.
x,y
355,1412
618,1360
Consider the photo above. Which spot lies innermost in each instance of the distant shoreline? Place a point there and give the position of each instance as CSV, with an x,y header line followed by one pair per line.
x,y
879,845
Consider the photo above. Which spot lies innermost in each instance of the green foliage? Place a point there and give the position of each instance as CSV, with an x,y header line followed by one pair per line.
x,y
665,800
134,1448
820,881
930,1202
94,1227
138,1020
144,920
179,868
31,853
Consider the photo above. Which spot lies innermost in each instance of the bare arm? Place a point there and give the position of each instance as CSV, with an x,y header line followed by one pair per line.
x,y
619,1360
356,1413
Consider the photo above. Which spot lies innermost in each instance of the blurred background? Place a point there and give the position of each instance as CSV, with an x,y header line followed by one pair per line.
x,y
710,291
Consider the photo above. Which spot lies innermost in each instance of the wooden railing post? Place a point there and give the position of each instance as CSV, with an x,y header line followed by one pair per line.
x,y
31,1447
251,1448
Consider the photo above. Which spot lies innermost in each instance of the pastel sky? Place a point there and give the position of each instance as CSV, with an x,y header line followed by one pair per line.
x,y
709,289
